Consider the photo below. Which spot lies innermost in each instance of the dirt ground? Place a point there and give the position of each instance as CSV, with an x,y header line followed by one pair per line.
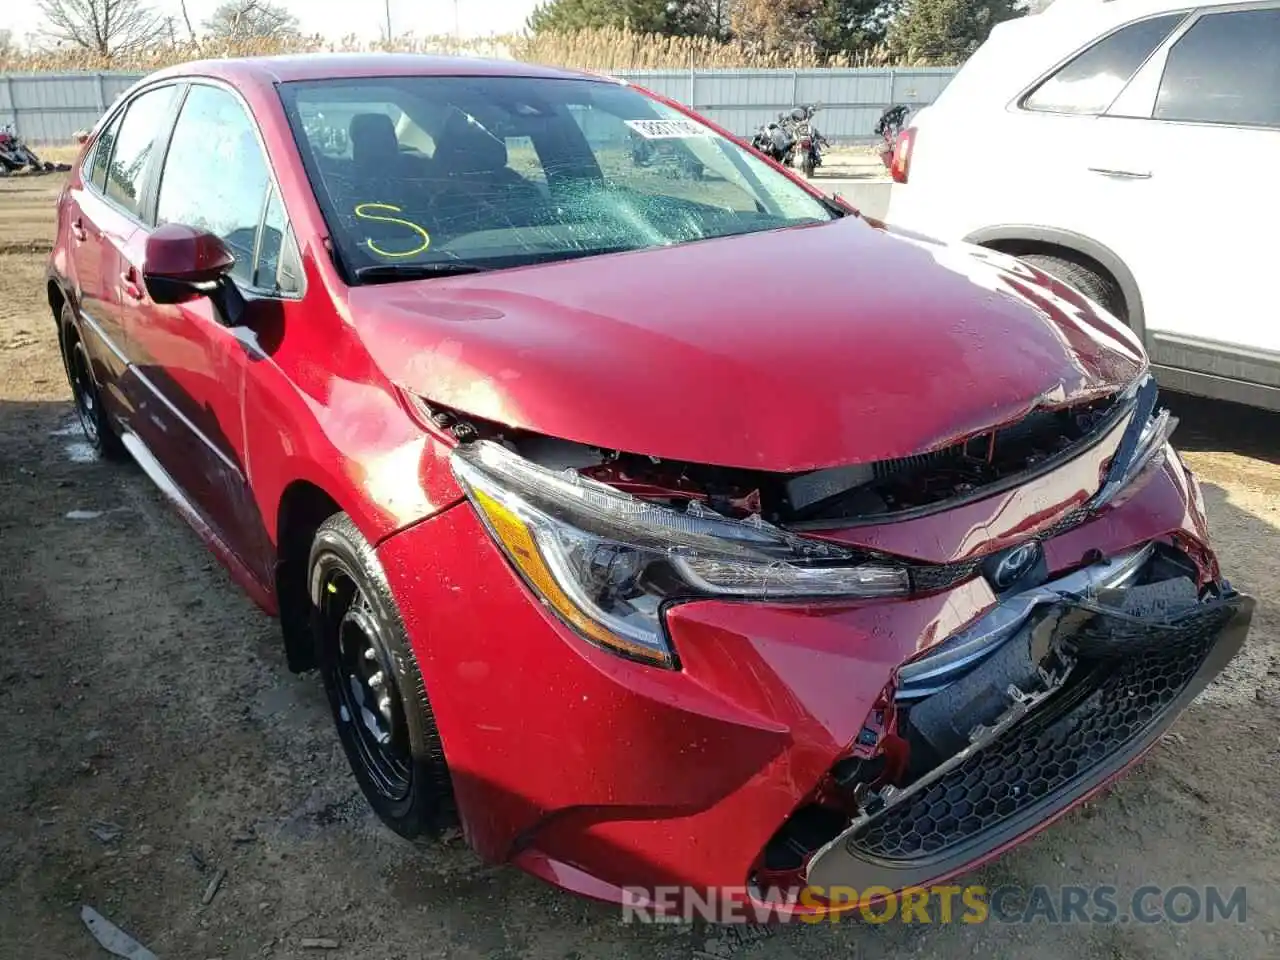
x,y
151,737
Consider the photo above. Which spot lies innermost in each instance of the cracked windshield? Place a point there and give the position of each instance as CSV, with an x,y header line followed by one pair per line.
x,y
423,175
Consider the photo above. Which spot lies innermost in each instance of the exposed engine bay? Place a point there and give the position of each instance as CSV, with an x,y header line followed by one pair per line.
x,y
867,492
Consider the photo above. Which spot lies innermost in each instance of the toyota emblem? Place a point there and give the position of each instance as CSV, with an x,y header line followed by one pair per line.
x,y
1014,565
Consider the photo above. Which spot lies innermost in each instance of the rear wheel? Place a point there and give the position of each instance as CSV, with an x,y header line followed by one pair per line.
x,y
86,396
1093,284
375,688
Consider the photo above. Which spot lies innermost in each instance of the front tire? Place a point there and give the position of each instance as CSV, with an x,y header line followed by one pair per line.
x,y
1098,288
374,686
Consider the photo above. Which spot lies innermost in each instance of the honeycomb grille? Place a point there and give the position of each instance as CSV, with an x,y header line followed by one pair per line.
x,y
1046,752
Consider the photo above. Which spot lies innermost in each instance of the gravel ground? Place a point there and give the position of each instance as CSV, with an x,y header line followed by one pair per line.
x,y
151,738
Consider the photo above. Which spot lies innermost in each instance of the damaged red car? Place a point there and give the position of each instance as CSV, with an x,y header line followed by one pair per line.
x,y
492,382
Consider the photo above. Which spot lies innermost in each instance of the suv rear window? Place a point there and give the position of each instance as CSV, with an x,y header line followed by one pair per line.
x,y
1090,83
1225,70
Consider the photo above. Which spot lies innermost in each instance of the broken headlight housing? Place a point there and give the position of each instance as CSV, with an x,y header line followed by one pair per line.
x,y
606,562
1142,448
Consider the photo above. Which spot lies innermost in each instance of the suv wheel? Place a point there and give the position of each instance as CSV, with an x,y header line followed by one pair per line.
x,y
1095,286
375,688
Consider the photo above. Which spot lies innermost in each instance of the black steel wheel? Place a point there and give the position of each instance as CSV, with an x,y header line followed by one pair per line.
x,y
374,686
86,396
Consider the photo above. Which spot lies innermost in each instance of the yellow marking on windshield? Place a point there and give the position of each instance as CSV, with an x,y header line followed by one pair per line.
x,y
422,247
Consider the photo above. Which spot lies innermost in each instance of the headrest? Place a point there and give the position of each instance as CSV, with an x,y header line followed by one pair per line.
x,y
466,147
373,140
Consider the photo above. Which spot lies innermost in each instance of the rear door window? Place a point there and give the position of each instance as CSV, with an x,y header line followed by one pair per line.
x,y
1090,83
102,153
1226,69
134,146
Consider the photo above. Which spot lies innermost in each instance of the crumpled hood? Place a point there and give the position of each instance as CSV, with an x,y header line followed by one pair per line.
x,y
784,351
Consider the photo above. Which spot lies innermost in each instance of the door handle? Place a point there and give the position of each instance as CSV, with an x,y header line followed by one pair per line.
x,y
78,231
1122,174
132,289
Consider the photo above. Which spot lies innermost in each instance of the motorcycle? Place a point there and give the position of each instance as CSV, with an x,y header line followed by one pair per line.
x,y
792,140
775,141
16,155
892,122
809,140
671,157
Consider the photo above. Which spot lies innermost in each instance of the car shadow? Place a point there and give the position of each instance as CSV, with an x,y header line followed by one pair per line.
x,y
1219,426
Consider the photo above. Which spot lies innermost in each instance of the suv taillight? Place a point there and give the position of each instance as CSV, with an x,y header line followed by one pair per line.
x,y
901,168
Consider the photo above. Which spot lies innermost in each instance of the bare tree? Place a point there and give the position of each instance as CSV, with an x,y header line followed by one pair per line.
x,y
106,27
251,19
186,18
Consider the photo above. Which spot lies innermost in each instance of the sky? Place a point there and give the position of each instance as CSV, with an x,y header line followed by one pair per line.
x,y
336,18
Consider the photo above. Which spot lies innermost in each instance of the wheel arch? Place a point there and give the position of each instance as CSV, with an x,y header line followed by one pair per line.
x,y
58,299
1022,239
302,508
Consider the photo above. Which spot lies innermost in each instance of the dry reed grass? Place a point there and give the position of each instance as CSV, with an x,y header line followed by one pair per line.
x,y
605,49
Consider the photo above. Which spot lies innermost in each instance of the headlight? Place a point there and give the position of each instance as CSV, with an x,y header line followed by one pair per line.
x,y
606,562
1142,447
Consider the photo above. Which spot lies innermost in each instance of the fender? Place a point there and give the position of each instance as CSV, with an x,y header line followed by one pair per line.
x,y
1069,240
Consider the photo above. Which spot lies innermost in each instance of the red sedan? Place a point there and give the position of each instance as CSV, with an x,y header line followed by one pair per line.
x,y
652,516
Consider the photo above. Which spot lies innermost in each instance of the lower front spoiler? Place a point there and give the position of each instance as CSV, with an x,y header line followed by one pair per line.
x,y
1038,769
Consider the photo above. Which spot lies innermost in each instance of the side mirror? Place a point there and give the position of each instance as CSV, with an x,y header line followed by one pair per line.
x,y
183,264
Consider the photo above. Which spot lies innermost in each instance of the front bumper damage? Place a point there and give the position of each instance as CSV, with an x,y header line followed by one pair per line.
x,y
1126,676
598,774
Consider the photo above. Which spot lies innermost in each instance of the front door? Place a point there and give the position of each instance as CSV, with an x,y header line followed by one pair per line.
x,y
215,178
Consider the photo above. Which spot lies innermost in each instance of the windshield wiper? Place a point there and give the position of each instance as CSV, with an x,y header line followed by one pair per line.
x,y
384,272
835,208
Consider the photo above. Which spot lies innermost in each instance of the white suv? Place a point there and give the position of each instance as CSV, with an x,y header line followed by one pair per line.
x,y
1130,148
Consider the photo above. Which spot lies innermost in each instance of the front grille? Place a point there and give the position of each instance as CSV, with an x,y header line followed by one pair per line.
x,y
931,578
928,578
1054,746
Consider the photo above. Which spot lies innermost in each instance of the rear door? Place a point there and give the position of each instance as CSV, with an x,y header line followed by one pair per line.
x,y
1204,213
103,217
86,213
1063,137
1011,141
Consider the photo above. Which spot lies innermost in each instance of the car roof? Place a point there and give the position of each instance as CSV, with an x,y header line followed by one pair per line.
x,y
1120,11
1022,50
324,66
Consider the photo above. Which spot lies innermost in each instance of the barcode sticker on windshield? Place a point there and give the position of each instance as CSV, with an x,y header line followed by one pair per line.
x,y
667,129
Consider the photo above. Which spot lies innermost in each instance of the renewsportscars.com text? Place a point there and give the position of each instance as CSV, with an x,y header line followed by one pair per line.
x,y
943,904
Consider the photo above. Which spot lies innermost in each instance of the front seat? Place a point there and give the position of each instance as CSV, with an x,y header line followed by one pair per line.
x,y
374,145
380,173
477,190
